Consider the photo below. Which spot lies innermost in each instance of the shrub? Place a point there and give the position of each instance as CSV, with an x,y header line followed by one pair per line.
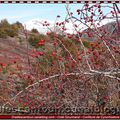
x,y
7,29
34,30
3,34
4,24
18,24
12,31
34,39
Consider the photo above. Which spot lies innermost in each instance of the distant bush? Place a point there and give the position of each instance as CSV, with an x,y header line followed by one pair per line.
x,y
52,35
4,23
18,24
34,30
34,39
12,31
7,29
3,34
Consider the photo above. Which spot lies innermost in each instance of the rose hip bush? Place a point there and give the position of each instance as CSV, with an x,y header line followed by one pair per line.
x,y
68,70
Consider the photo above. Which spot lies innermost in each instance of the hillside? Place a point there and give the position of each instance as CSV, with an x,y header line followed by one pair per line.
x,y
38,70
109,30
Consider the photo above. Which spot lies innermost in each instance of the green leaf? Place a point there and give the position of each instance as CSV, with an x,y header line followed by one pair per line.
x,y
5,70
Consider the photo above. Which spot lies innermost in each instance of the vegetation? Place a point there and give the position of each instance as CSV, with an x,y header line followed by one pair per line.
x,y
67,70
34,39
34,30
7,29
